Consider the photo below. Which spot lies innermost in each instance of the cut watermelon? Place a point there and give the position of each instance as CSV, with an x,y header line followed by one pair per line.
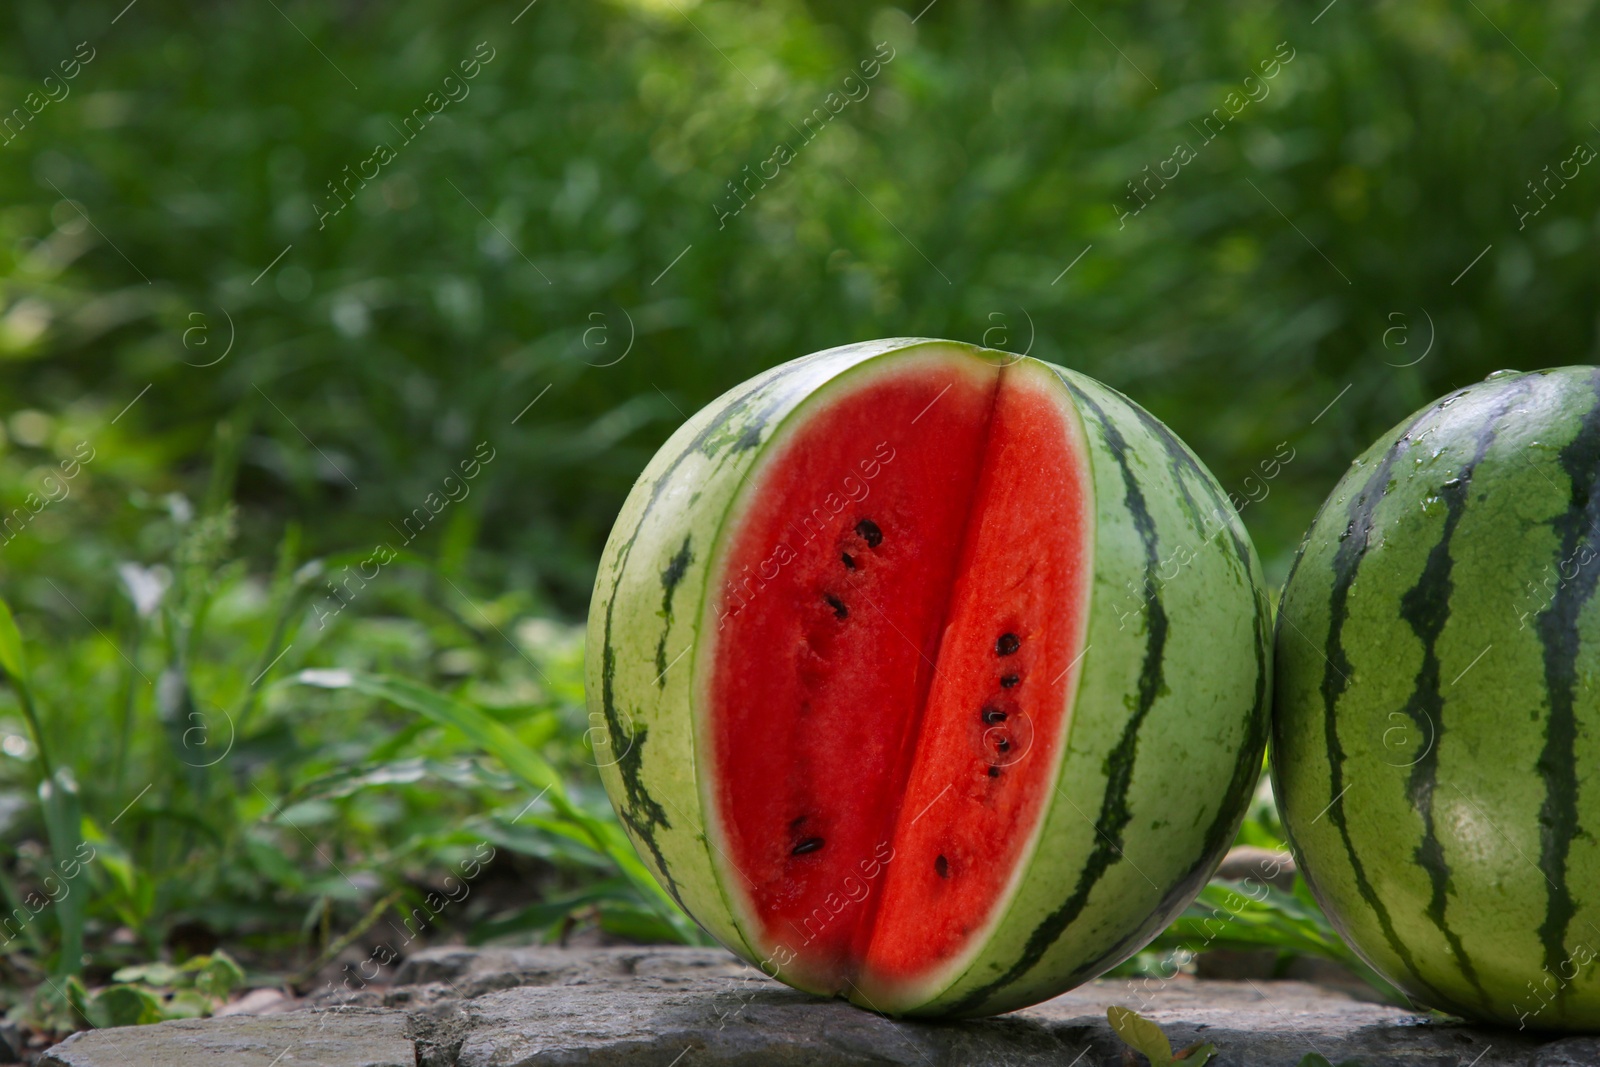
x,y
903,568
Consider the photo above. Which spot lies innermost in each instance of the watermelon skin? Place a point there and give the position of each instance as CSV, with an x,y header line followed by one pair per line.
x,y
1166,735
1435,645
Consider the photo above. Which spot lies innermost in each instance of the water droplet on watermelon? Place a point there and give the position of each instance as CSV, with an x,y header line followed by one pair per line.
x,y
1500,374
993,715
942,866
870,533
1009,680
1007,644
839,610
849,562
810,844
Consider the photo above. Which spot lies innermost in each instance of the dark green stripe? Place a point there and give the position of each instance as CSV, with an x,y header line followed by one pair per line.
x,y
1336,674
1558,630
1118,766
641,813
676,567
1426,608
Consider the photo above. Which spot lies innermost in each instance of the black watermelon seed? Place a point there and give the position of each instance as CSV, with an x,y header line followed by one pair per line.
x,y
849,564
994,772
810,844
1007,644
942,866
839,610
1009,680
870,532
1003,745
993,715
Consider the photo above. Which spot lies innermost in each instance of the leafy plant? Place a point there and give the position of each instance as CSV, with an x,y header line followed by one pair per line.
x,y
139,995
158,991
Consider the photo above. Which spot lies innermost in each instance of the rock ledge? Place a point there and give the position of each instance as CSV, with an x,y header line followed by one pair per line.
x,y
686,1007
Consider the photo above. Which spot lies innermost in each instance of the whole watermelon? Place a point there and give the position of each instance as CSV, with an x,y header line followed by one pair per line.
x,y
931,676
1436,720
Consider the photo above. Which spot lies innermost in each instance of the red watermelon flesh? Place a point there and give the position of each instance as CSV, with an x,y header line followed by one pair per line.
x,y
901,608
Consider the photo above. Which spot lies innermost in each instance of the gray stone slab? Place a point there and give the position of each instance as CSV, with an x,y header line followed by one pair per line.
x,y
684,1007
355,1037
752,1021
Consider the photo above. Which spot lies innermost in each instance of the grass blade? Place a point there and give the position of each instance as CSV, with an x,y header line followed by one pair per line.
x,y
14,662
12,658
63,816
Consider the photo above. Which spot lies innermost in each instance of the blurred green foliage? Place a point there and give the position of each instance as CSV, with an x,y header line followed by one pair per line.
x,y
251,390
590,152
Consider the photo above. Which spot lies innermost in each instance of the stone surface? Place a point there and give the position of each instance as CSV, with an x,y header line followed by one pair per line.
x,y
352,1037
749,1020
677,1007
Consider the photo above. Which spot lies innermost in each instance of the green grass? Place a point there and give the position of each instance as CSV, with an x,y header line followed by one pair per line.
x,y
197,769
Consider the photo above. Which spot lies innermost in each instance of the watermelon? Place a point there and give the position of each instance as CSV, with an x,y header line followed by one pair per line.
x,y
930,676
1436,652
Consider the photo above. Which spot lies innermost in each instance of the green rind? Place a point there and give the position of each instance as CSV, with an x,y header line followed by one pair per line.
x,y
1432,720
